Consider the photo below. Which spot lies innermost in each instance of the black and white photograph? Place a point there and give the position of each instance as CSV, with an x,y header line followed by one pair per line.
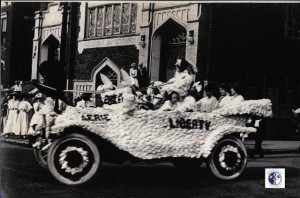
x,y
150,99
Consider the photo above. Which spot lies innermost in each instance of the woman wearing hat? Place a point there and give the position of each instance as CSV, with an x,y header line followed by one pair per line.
x,y
22,124
12,114
37,106
133,72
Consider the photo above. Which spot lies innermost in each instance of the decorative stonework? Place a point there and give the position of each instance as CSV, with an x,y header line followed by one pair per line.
x,y
55,31
107,42
179,13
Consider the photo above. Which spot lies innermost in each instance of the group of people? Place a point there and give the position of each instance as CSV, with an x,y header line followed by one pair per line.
x,y
138,75
174,101
172,95
21,118
188,95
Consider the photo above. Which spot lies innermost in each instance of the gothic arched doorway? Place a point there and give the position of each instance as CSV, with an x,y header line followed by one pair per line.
x,y
169,43
50,49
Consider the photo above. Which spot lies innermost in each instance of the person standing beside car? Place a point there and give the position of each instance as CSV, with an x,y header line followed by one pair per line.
x,y
12,114
22,124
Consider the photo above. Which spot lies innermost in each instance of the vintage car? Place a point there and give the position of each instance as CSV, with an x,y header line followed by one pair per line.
x,y
82,138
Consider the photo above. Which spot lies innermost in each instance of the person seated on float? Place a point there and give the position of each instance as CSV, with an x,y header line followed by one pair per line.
x,y
196,91
156,98
129,100
189,103
180,82
225,95
172,103
208,103
86,101
76,100
62,105
236,97
147,104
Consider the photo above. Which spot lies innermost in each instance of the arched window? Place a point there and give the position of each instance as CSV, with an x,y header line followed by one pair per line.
x,y
109,73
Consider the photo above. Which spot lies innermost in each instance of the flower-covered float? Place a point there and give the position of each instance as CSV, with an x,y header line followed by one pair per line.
x,y
82,138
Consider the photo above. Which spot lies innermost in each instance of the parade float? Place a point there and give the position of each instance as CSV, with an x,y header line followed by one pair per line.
x,y
84,137
81,138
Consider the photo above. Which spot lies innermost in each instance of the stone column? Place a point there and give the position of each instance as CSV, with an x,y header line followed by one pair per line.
x,y
144,17
36,44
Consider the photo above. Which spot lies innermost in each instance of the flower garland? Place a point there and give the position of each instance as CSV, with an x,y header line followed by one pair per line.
x,y
64,163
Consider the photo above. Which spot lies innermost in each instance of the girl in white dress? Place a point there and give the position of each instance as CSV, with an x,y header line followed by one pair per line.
x,y
37,106
22,125
12,114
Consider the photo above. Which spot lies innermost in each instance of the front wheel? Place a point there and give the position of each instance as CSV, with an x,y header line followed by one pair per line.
x,y
73,159
41,157
228,159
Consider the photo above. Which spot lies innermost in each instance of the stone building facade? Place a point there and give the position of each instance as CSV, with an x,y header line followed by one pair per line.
x,y
111,36
254,44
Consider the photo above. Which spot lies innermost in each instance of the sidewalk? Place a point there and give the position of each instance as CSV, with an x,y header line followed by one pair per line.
x,y
24,142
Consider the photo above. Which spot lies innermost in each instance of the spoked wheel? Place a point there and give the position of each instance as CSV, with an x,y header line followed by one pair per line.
x,y
41,157
228,159
73,159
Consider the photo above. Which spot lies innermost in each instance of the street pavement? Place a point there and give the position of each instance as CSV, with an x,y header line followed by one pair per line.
x,y
22,177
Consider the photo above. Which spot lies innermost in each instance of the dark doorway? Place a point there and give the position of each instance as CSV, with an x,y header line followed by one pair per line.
x,y
169,43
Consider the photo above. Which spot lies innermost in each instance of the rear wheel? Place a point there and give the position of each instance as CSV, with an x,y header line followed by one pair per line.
x,y
228,159
73,159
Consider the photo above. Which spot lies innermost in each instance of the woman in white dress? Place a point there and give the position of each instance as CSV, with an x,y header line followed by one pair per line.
x,y
22,125
236,96
171,104
133,72
181,82
12,114
225,96
37,106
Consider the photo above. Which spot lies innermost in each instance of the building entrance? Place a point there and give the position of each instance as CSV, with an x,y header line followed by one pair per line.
x,y
169,43
174,49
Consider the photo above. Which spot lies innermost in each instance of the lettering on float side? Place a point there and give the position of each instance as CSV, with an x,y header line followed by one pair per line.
x,y
95,117
189,123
